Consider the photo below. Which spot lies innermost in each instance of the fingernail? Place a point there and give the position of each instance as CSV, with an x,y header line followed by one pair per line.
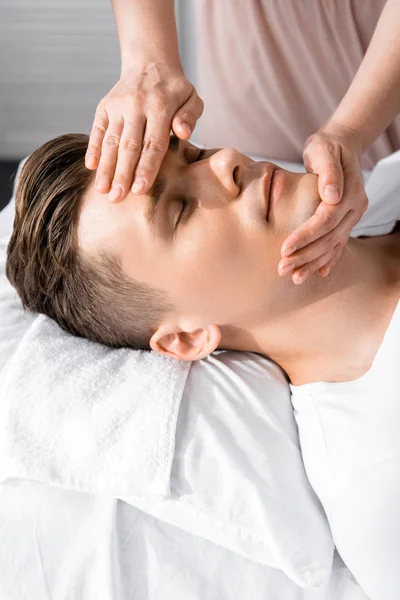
x,y
331,194
138,186
326,272
115,193
103,183
186,128
286,269
301,276
288,250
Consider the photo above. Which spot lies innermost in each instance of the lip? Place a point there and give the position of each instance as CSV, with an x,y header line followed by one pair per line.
x,y
277,186
267,186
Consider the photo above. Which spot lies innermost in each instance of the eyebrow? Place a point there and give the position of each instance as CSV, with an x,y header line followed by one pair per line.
x,y
160,185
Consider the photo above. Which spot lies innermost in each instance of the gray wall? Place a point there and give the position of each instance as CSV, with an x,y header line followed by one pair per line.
x,y
58,58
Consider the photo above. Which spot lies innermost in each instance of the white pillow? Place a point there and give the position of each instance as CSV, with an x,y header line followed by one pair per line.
x,y
237,476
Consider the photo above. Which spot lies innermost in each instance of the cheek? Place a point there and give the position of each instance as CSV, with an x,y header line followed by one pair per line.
x,y
308,198
227,270
210,263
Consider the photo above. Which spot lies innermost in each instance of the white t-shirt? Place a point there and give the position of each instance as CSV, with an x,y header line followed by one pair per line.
x,y
355,424
350,433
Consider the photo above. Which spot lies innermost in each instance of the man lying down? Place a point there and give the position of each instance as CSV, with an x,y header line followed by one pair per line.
x,y
193,270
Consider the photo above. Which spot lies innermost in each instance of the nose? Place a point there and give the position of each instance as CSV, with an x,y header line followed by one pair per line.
x,y
227,164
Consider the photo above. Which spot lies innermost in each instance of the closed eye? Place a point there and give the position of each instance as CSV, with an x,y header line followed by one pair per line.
x,y
185,203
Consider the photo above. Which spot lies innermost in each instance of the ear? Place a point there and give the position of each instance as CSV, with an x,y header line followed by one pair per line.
x,y
184,345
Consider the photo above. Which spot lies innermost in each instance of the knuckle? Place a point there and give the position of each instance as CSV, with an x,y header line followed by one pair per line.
x,y
339,245
329,146
163,113
337,249
188,116
329,221
93,148
131,145
98,128
154,145
112,140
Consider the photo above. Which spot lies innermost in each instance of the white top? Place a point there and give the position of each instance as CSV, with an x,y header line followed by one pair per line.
x,y
351,425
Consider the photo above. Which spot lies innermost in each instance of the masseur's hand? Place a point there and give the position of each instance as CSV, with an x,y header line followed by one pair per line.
x,y
132,124
333,153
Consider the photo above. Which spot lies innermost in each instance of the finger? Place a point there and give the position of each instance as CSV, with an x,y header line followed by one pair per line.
x,y
327,269
155,146
184,121
130,148
324,158
301,275
325,219
324,244
330,184
109,153
99,128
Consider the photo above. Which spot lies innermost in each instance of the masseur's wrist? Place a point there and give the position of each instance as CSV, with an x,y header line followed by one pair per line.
x,y
352,137
138,54
140,62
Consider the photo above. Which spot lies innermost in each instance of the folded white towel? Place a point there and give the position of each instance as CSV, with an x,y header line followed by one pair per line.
x,y
107,426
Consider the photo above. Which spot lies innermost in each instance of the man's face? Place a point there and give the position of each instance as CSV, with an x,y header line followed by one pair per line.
x,y
217,260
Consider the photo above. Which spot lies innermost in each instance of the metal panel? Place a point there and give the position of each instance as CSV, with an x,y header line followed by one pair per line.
x,y
58,58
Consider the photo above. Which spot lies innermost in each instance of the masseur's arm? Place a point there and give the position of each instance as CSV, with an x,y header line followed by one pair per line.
x,y
370,104
373,99
132,124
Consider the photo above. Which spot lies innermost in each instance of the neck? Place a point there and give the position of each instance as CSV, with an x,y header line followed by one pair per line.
x,y
325,322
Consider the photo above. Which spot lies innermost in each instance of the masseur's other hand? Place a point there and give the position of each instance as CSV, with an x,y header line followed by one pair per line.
x,y
333,153
132,124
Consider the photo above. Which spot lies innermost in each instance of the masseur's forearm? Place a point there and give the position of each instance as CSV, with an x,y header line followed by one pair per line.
x,y
373,98
147,31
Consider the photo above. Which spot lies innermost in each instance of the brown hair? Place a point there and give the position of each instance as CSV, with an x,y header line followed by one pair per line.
x,y
87,296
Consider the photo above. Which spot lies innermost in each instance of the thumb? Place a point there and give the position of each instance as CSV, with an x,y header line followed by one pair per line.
x,y
185,118
330,184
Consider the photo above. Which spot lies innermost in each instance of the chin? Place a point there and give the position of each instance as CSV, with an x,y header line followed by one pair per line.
x,y
302,201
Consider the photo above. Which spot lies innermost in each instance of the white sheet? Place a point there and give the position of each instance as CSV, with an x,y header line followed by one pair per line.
x,y
64,545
